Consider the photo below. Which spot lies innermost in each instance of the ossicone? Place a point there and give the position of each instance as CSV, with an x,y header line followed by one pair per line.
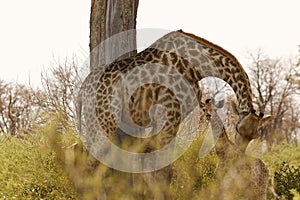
x,y
208,101
261,115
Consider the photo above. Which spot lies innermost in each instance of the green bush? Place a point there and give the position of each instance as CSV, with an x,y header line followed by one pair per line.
x,y
29,170
280,161
287,178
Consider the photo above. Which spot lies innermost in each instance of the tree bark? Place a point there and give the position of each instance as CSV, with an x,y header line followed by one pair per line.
x,y
112,37
108,18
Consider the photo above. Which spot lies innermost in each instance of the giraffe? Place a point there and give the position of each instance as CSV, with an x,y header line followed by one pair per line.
x,y
186,58
241,176
167,71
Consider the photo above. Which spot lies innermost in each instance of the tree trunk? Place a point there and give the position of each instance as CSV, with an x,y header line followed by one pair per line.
x,y
110,17
112,37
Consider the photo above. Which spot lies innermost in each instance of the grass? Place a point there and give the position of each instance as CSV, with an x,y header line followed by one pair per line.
x,y
49,165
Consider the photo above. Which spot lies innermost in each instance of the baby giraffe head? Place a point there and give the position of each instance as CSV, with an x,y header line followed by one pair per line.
x,y
247,126
210,106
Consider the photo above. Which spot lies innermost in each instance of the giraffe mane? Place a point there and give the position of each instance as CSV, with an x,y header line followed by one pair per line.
x,y
227,54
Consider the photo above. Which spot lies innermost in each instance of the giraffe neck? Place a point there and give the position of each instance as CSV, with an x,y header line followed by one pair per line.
x,y
195,58
224,147
207,59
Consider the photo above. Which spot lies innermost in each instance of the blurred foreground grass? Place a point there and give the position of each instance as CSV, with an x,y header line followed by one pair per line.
x,y
53,164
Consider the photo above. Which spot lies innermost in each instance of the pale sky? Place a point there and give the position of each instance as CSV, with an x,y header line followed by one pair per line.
x,y
34,33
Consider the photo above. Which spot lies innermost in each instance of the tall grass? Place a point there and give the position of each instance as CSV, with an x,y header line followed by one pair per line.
x,y
54,164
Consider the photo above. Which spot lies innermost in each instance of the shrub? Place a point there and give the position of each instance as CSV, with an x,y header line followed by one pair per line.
x,y
29,170
286,179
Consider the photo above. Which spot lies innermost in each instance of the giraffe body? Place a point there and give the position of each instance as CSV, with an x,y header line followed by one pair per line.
x,y
174,63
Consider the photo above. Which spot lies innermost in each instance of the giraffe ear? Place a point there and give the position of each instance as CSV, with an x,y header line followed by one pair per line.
x,y
265,119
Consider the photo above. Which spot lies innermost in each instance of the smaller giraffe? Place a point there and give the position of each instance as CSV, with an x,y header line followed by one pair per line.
x,y
241,176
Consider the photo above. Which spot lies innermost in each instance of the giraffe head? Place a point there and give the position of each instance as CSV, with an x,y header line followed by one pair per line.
x,y
210,106
247,126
